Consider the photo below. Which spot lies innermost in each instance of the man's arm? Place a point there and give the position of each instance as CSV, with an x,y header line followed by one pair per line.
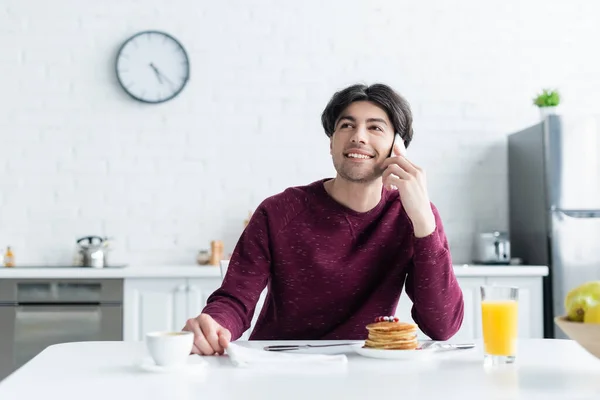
x,y
233,304
431,285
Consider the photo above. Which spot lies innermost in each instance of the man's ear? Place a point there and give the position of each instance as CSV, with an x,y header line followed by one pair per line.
x,y
331,145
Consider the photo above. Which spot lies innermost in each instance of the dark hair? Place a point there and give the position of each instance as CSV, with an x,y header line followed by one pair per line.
x,y
396,107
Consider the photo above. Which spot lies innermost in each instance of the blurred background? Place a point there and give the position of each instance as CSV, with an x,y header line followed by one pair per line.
x,y
81,157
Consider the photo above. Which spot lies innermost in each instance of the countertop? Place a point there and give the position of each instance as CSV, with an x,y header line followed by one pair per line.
x,y
133,271
500,270
191,271
545,369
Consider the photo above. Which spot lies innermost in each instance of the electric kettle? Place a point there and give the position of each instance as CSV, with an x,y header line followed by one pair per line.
x,y
92,252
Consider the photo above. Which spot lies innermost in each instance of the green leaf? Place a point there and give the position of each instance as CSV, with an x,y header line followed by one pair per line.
x,y
547,98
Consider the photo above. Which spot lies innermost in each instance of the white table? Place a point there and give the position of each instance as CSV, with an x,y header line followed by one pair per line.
x,y
546,369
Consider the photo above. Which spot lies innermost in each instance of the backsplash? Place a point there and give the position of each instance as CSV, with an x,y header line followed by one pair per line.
x,y
79,157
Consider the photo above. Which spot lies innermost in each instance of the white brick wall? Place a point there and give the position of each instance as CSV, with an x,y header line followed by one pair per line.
x,y
79,157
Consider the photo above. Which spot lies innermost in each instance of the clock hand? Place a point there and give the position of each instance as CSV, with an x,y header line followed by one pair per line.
x,y
167,79
156,73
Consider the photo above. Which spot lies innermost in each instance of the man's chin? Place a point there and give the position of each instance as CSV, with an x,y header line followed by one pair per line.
x,y
358,174
359,178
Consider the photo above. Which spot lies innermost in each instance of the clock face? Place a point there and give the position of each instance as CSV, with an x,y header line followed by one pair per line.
x,y
152,67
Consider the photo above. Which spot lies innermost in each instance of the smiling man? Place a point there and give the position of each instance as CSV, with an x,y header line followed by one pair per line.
x,y
335,254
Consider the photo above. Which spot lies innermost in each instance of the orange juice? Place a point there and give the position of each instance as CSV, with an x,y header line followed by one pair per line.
x,y
499,319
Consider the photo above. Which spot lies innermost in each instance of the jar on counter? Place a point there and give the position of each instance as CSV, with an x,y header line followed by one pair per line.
x,y
203,257
216,252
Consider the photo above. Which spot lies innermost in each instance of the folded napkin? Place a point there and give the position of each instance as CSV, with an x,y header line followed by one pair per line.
x,y
241,356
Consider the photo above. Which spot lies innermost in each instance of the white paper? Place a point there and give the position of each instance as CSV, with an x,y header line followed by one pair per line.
x,y
241,356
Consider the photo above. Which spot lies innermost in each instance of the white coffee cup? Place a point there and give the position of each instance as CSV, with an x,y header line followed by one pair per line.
x,y
170,348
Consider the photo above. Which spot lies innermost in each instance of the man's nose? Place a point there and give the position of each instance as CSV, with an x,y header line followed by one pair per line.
x,y
360,135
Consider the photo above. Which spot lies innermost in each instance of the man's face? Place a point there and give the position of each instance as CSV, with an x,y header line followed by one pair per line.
x,y
361,142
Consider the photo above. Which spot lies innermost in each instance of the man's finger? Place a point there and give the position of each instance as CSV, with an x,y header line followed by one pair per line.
x,y
203,346
196,350
392,182
224,337
210,333
193,325
403,163
415,166
399,172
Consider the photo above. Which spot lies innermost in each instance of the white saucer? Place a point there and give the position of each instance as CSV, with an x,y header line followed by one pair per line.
x,y
435,349
416,354
194,364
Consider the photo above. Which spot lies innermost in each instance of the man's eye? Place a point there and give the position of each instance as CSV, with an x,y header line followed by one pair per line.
x,y
377,128
346,125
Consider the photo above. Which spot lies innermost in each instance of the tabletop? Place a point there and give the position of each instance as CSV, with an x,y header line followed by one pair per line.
x,y
545,369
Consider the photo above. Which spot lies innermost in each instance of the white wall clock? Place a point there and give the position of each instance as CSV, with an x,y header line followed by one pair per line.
x,y
152,67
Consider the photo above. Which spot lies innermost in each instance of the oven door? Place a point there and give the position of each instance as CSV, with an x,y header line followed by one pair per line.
x,y
29,329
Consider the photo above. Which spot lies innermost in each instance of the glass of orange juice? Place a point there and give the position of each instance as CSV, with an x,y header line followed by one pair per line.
x,y
499,317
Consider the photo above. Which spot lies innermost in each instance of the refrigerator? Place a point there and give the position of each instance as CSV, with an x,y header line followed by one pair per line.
x,y
554,204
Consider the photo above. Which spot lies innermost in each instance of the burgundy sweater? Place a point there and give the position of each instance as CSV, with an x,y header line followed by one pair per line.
x,y
330,270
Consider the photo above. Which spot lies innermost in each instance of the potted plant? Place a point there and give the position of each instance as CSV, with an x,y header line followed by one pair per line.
x,y
547,101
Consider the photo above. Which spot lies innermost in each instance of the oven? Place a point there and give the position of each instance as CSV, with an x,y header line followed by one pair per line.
x,y
37,313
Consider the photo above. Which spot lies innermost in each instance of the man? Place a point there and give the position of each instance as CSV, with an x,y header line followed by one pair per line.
x,y
335,254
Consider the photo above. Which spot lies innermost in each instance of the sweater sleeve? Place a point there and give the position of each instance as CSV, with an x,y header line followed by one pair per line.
x,y
431,285
233,304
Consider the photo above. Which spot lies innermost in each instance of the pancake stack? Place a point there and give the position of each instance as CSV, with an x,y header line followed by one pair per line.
x,y
390,334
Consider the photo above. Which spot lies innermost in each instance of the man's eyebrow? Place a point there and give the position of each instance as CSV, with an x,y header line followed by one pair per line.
x,y
348,117
351,118
377,120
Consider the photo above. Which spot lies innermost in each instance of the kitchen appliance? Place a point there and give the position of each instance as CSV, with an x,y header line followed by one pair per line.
x,y
554,204
92,252
37,313
492,248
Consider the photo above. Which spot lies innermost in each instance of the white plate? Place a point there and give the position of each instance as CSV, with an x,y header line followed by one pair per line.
x,y
395,354
195,364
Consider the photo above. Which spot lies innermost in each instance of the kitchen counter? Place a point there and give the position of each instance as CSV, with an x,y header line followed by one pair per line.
x,y
464,270
191,271
163,271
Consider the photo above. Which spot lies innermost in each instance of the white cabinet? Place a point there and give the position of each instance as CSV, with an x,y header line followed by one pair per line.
x,y
471,326
156,304
152,304
531,323
198,291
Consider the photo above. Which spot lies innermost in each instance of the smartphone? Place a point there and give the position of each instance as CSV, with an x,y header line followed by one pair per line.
x,y
398,139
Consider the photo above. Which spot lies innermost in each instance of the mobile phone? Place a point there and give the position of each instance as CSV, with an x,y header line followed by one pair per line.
x,y
398,139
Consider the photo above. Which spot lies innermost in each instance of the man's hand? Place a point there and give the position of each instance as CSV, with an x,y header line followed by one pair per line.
x,y
210,338
410,181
